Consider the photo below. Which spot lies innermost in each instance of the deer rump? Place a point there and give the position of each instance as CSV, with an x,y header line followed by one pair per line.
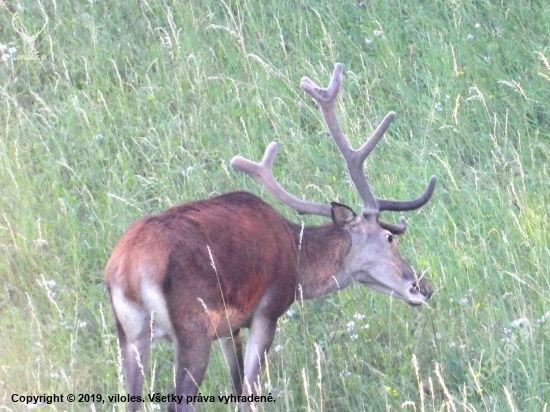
x,y
211,263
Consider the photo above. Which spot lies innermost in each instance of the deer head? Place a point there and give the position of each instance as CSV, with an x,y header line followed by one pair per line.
x,y
373,259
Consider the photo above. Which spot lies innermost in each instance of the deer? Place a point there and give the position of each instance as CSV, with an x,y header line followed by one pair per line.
x,y
207,269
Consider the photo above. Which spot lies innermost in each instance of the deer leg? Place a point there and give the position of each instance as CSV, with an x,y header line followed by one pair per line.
x,y
192,356
260,338
134,338
135,355
233,351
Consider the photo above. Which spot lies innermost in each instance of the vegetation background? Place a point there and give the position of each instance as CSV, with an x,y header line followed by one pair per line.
x,y
111,110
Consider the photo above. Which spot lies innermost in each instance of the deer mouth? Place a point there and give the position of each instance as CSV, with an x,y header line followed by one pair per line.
x,y
416,295
416,302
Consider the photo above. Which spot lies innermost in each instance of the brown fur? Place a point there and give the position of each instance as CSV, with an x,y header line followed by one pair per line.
x,y
175,243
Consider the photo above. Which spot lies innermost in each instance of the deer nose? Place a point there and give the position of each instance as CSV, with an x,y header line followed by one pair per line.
x,y
414,289
424,287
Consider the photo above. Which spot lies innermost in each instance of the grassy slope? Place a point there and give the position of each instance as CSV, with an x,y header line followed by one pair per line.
x,y
138,106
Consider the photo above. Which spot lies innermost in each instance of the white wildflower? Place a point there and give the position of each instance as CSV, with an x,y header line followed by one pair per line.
x,y
519,322
358,316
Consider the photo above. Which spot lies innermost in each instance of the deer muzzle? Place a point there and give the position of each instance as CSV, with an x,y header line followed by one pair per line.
x,y
423,289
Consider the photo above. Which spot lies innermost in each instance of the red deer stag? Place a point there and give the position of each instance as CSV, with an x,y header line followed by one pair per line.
x,y
206,269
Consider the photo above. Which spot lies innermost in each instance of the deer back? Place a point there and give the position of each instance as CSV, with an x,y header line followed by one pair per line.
x,y
221,255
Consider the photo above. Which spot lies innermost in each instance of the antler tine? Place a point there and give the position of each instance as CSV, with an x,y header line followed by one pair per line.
x,y
326,98
354,159
264,173
398,229
404,205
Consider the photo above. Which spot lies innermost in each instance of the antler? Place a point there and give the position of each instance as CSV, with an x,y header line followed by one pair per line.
x,y
264,173
372,206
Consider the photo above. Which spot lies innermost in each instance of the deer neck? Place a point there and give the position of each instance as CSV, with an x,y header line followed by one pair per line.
x,y
322,252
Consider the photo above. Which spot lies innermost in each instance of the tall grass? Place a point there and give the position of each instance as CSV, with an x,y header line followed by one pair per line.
x,y
117,109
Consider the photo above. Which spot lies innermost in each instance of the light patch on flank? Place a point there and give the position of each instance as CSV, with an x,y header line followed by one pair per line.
x,y
154,302
131,316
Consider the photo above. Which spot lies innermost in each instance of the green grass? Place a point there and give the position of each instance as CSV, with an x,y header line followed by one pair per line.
x,y
135,106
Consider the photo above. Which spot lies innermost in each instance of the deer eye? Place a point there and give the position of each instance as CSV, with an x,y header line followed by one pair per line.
x,y
389,238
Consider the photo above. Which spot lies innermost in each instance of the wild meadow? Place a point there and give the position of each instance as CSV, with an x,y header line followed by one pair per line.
x,y
112,110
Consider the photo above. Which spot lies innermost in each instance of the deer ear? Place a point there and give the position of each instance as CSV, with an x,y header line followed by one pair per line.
x,y
343,216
